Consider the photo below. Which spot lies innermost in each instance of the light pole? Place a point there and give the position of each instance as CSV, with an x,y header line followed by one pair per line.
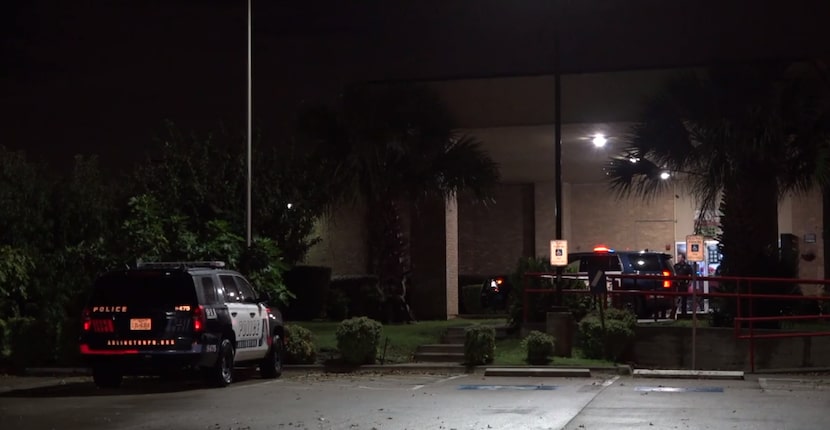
x,y
557,137
248,182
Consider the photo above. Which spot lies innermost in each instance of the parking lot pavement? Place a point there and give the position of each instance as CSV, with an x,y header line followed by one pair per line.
x,y
413,400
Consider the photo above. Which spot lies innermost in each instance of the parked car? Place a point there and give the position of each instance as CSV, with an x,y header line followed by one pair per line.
x,y
163,317
495,292
656,265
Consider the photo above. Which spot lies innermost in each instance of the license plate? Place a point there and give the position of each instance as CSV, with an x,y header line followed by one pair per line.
x,y
140,323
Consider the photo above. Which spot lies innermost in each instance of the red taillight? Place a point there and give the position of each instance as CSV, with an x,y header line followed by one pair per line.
x,y
199,318
666,282
102,325
86,320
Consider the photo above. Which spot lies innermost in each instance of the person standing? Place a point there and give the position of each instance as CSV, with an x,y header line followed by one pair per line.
x,y
683,268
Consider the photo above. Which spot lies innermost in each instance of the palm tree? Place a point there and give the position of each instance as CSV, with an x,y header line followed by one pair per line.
x,y
390,146
739,137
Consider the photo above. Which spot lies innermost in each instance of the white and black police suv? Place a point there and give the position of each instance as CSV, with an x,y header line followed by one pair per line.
x,y
159,318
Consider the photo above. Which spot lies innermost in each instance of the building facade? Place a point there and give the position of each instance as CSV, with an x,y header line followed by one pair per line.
x,y
512,117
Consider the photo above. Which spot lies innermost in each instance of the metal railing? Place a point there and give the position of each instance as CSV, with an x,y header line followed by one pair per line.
x,y
745,322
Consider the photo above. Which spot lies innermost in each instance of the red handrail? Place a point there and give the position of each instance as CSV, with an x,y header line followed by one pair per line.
x,y
738,295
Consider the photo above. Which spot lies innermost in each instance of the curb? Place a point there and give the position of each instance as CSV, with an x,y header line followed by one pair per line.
x,y
368,368
689,374
539,371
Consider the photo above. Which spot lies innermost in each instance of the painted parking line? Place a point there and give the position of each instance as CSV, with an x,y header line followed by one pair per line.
x,y
508,387
680,389
440,381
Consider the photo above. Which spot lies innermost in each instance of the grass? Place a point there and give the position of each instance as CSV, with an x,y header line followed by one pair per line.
x,y
398,340
401,341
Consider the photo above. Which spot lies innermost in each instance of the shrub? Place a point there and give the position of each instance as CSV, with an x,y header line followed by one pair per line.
x,y
542,303
337,305
358,340
471,298
619,331
539,347
23,351
299,345
5,348
365,298
479,345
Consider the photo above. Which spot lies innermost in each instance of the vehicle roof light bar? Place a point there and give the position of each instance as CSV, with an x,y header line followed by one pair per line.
x,y
214,264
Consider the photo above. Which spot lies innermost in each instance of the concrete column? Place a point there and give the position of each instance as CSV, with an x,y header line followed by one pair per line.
x,y
451,249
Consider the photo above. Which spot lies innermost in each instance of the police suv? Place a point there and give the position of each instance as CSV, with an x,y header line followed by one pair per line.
x,y
162,317
653,272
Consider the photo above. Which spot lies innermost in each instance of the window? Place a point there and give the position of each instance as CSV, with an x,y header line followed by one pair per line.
x,y
232,293
607,263
248,293
144,289
208,290
648,263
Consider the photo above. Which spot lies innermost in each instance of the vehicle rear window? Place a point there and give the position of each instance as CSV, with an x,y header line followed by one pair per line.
x,y
144,289
648,263
607,263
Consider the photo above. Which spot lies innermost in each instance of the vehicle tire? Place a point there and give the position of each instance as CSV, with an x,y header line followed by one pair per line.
x,y
271,365
221,374
107,376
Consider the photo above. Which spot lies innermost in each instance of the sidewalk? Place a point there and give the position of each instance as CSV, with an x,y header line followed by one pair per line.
x,y
26,382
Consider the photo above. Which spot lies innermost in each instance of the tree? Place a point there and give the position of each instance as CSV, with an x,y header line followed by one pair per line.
x,y
202,178
738,137
391,144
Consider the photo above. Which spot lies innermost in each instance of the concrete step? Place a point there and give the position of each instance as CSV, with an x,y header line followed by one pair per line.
x,y
458,334
442,348
440,357
453,339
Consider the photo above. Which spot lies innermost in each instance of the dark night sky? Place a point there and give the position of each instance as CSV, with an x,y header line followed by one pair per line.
x,y
99,76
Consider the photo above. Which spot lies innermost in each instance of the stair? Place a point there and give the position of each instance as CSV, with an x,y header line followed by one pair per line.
x,y
451,348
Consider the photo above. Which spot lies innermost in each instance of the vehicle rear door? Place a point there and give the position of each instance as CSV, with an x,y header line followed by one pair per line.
x,y
653,265
246,317
141,312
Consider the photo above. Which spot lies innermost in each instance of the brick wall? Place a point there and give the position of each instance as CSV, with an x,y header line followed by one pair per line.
x,y
597,216
521,223
343,244
494,236
807,219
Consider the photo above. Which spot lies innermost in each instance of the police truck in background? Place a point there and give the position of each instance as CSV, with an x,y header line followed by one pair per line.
x,y
163,317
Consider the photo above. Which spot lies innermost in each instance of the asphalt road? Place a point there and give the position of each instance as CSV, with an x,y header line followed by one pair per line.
x,y
426,401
